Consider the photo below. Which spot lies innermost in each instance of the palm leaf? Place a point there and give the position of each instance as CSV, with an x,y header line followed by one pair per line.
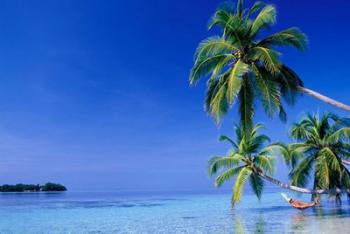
x,y
331,158
289,83
301,173
218,104
290,157
266,17
342,134
288,37
226,175
234,81
204,67
216,163
257,185
239,11
226,138
239,184
221,16
265,162
256,7
269,91
322,172
266,56
214,46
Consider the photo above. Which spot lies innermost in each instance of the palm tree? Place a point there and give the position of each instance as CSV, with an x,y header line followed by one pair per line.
x,y
250,159
322,148
243,67
247,160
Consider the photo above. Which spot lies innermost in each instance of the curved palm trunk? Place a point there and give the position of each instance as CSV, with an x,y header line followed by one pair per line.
x,y
346,162
325,99
302,190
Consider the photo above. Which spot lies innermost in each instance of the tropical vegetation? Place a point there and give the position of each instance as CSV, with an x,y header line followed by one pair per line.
x,y
244,67
322,144
252,158
48,187
248,159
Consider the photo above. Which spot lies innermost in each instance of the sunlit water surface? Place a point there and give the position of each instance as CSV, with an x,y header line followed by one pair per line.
x,y
169,213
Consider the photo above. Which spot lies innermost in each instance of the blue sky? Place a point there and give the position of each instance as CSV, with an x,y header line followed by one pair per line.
x,y
95,94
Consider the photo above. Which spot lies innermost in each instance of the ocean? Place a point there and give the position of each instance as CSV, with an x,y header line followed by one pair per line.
x,y
92,212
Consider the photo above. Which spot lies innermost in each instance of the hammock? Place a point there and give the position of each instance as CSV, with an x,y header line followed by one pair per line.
x,y
299,204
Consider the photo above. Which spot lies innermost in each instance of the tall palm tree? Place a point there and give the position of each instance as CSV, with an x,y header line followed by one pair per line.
x,y
322,147
251,159
241,66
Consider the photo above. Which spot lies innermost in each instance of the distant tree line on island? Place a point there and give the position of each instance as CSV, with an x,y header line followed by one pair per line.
x,y
48,187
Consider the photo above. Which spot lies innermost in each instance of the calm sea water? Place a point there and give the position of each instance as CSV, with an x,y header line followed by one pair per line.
x,y
170,213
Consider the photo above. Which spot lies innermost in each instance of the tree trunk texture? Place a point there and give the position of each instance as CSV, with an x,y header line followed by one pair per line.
x,y
325,99
302,190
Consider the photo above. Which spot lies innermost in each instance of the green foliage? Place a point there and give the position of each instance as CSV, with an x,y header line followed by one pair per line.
x,y
248,158
241,179
322,143
48,187
265,18
32,187
19,188
241,66
288,37
256,184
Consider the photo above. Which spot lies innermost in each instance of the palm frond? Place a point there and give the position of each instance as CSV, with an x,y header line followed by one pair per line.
x,y
301,173
239,11
282,113
256,143
290,157
219,162
289,83
256,7
266,56
265,162
221,16
227,175
300,131
205,66
265,18
239,185
322,173
257,185
342,134
234,80
218,104
288,37
333,161
269,91
214,46
228,139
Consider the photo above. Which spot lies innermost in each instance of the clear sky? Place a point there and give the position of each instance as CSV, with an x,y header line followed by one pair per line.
x,y
95,94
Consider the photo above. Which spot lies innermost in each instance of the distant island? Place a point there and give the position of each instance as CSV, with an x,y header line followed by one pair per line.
x,y
48,187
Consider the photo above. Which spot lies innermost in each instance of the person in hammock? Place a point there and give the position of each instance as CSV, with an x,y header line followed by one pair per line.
x,y
300,204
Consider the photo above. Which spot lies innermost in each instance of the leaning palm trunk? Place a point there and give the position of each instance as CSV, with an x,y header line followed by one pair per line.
x,y
302,190
346,162
325,99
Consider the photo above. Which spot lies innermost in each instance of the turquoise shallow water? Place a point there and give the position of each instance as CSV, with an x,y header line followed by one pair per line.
x,y
170,213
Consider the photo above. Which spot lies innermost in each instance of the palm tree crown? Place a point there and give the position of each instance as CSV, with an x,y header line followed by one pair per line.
x,y
241,65
248,159
323,142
